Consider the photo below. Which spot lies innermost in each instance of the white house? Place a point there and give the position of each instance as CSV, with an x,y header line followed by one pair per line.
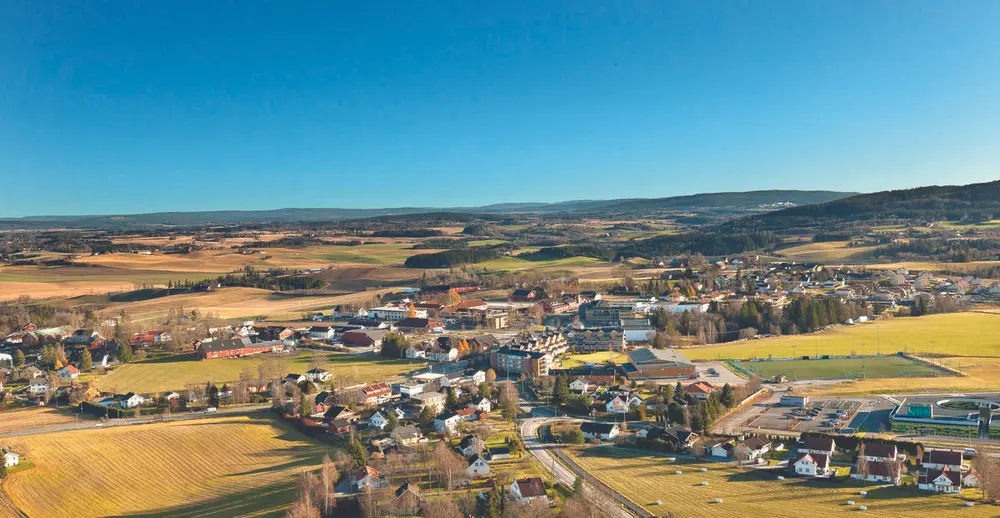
x,y
601,431
527,489
579,386
131,400
478,467
811,464
756,447
617,405
877,452
447,422
880,472
317,375
416,352
68,373
481,403
38,386
378,420
368,478
940,481
322,333
720,449
443,355
10,458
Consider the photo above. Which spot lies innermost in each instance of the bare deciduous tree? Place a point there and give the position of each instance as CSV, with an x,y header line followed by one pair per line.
x,y
989,476
304,505
328,477
442,508
449,464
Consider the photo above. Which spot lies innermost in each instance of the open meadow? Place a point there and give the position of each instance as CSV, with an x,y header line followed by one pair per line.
x,y
646,479
16,420
843,368
952,334
174,372
70,281
826,252
979,375
227,466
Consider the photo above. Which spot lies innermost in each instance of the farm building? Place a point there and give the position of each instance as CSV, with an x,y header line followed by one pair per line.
x,y
657,363
793,400
235,348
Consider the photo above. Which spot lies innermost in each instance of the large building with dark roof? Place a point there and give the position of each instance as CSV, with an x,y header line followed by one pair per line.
x,y
657,363
235,348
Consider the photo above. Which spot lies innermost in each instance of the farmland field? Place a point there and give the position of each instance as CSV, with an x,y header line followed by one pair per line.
x,y
843,368
645,479
174,372
15,420
979,375
68,281
211,467
954,334
830,251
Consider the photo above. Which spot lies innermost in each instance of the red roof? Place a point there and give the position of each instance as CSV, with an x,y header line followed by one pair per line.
x,y
700,387
377,389
530,487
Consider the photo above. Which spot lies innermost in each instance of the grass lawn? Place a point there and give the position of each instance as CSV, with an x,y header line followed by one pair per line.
x,y
174,372
843,368
597,358
515,263
15,420
646,479
953,334
229,466
979,376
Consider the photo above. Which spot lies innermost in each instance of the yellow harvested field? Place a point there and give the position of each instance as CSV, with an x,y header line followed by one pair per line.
x,y
953,334
646,479
936,266
173,373
69,281
235,303
227,466
17,420
830,251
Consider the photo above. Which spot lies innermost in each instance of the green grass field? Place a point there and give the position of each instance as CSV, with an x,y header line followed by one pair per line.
x,y
174,372
645,479
954,334
382,254
598,358
515,263
843,368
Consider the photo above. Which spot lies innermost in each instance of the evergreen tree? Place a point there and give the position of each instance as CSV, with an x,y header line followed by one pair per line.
x,y
577,484
668,393
679,392
392,422
452,401
18,359
727,398
86,361
125,352
494,506
560,390
426,418
357,452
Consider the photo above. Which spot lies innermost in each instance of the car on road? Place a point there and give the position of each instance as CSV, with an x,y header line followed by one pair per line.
x,y
211,409
970,452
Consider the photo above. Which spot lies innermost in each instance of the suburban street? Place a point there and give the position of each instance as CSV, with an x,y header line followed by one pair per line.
x,y
545,454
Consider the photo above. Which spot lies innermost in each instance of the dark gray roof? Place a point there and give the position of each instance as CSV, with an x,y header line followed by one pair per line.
x,y
646,355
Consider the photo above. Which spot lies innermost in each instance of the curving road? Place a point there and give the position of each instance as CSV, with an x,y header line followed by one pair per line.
x,y
599,493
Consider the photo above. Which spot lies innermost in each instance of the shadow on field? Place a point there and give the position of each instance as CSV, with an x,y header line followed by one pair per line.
x,y
269,500
176,358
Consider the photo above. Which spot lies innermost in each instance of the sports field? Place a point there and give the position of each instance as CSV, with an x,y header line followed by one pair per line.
x,y
953,334
174,372
645,479
843,368
598,358
228,466
979,375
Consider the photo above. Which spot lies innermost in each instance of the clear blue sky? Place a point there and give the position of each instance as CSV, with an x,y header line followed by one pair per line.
x,y
141,106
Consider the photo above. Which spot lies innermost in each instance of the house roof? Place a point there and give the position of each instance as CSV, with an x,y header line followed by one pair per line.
x,y
408,431
880,468
337,412
468,440
71,369
475,458
414,323
316,370
646,355
407,487
700,387
224,345
366,471
818,444
929,476
522,292
947,457
756,442
377,389
817,458
469,304
597,428
500,450
530,487
875,449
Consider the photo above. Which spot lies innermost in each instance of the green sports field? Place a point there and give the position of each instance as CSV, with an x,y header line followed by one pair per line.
x,y
842,368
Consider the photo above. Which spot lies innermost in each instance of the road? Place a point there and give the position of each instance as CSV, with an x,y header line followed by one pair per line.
x,y
90,424
599,493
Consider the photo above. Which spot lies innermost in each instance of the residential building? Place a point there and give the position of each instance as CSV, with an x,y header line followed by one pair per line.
x,y
720,449
395,313
471,445
68,373
38,386
811,464
447,423
235,348
481,403
364,338
530,363
647,363
880,472
699,389
756,447
367,479
596,339
523,295
378,420
600,431
617,405
441,354
819,445
417,325
322,333
579,386
131,400
10,458
879,452
940,481
317,375
376,393
434,400
407,500
603,313
527,489
478,467
942,460
407,435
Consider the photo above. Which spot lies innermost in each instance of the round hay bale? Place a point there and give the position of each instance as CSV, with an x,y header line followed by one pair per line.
x,y
678,472
704,482
671,459
718,500
863,508
970,504
659,502
850,502
864,493
704,469
781,477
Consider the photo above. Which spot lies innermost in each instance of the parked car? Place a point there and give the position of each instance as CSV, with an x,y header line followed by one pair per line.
x,y
970,452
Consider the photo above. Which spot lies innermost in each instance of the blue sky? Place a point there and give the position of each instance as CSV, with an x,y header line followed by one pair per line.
x,y
120,107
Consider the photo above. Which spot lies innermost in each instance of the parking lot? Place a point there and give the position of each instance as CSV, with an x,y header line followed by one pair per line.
x,y
829,415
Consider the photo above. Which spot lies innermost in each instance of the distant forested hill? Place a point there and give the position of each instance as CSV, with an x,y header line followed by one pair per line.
x,y
974,202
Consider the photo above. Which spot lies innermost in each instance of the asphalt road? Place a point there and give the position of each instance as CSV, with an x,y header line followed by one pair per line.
x,y
598,493
89,424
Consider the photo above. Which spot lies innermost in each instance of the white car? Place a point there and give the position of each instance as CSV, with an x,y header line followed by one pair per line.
x,y
210,409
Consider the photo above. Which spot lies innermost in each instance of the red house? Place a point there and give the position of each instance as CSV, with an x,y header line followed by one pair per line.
x,y
235,348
